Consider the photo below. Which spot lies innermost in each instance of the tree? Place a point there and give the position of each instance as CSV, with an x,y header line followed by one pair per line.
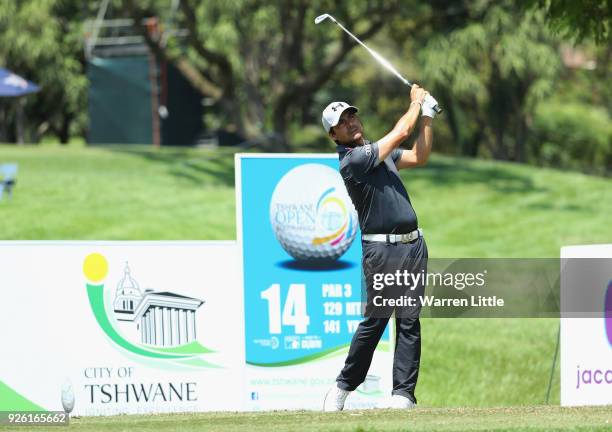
x,y
262,62
578,20
42,40
489,74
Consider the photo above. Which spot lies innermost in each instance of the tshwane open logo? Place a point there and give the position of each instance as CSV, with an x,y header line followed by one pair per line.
x,y
156,326
312,215
331,219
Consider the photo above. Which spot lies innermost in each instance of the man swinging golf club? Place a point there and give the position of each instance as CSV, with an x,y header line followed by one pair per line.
x,y
391,239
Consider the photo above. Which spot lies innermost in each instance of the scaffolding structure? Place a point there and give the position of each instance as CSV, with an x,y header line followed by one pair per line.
x,y
134,96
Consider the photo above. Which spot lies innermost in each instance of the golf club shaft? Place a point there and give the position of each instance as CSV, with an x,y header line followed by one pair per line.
x,y
377,56
384,62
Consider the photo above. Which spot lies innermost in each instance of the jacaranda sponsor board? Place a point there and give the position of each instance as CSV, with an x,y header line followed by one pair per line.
x,y
121,327
586,342
302,280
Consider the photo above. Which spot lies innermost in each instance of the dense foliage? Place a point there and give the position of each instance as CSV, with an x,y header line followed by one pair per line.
x,y
526,82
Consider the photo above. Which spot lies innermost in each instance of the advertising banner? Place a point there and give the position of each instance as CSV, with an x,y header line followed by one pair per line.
x,y
120,327
301,250
586,339
103,328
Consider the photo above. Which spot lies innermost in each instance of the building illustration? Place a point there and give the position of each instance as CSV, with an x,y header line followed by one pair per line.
x,y
161,319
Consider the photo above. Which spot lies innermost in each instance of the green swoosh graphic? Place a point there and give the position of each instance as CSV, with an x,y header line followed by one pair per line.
x,y
328,353
192,348
96,301
384,346
11,400
198,362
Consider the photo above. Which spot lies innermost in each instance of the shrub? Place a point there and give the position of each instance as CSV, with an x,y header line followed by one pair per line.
x,y
573,135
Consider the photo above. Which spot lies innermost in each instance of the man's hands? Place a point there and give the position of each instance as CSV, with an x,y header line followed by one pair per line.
x,y
403,128
405,125
417,94
427,102
419,153
428,106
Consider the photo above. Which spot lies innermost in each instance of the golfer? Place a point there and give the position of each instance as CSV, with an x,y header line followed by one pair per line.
x,y
391,240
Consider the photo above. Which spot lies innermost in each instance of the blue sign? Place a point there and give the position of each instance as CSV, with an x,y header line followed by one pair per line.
x,y
301,259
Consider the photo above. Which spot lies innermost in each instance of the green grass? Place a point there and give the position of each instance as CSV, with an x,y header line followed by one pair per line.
x,y
459,419
468,208
119,193
475,208
487,362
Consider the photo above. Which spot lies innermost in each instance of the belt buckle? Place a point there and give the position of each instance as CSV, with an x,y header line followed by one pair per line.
x,y
411,236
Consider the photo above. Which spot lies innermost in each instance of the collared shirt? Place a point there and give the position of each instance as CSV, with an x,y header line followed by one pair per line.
x,y
376,189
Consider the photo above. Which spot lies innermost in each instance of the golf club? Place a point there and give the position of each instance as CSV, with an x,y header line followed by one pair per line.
x,y
378,57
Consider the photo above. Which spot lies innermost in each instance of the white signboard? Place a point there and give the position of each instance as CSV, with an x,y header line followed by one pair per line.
x,y
121,327
586,339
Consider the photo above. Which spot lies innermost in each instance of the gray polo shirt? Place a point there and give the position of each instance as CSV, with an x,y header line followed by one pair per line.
x,y
377,191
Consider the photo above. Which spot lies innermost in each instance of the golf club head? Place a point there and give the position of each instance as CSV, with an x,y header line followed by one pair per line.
x,y
323,17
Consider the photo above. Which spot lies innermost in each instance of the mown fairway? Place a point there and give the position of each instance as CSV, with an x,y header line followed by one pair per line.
x,y
422,419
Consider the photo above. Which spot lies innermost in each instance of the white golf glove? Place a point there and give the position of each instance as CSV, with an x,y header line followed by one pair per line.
x,y
427,109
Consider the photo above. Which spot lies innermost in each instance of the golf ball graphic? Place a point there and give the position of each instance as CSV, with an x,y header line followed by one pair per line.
x,y
312,215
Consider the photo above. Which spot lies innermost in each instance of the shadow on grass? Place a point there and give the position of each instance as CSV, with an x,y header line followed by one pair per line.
x,y
459,171
546,206
199,168
217,167
221,170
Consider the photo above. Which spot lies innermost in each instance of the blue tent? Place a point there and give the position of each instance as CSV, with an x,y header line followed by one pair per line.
x,y
12,85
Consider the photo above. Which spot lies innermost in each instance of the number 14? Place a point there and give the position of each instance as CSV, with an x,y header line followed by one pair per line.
x,y
294,311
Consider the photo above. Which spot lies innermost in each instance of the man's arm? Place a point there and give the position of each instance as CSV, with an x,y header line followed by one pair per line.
x,y
421,149
404,127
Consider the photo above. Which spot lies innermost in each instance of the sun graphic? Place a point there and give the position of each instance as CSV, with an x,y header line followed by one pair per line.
x,y
95,267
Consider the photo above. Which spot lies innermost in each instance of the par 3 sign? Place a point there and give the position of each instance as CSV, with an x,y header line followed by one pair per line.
x,y
302,297
311,214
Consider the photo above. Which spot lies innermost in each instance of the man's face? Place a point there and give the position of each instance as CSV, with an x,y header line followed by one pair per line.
x,y
349,130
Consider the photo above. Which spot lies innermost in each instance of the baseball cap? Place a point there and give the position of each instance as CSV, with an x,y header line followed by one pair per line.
x,y
332,113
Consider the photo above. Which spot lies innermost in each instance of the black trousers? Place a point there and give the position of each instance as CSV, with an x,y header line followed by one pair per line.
x,y
383,259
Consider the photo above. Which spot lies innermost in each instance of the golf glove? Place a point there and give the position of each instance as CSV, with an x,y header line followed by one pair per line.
x,y
427,109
